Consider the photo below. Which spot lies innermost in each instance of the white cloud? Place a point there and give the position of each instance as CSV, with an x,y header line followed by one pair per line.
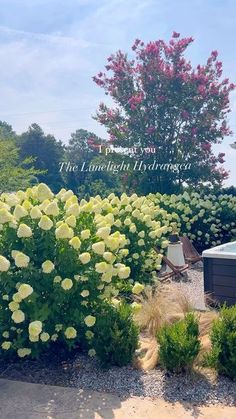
x,y
50,71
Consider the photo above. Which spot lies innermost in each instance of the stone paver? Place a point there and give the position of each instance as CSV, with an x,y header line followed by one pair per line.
x,y
20,400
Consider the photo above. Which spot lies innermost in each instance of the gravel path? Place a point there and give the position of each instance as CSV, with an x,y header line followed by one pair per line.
x,y
192,286
202,387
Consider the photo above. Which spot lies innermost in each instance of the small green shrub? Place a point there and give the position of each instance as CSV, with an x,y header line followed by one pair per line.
x,y
179,344
116,336
223,338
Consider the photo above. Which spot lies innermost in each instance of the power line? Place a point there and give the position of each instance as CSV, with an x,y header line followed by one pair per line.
x,y
43,112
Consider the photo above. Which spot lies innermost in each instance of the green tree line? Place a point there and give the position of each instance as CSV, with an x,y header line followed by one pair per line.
x,y
33,157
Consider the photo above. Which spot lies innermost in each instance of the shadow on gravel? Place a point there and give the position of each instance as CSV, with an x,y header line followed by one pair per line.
x,y
85,375
81,375
197,388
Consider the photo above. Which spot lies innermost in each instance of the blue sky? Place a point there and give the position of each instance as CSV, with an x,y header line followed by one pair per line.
x,y
50,49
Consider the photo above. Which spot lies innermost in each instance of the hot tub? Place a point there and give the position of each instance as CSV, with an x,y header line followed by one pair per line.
x,y
220,272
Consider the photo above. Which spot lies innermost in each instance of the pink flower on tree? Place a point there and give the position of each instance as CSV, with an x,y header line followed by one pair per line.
x,y
220,158
185,114
194,131
175,35
214,54
151,130
112,138
206,146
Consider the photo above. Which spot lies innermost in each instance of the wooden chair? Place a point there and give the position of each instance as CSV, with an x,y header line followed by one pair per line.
x,y
176,271
191,254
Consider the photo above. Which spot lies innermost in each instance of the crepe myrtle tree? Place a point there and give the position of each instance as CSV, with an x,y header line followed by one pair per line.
x,y
162,101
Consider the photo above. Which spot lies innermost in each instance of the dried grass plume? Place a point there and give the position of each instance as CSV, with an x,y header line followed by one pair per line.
x,y
166,305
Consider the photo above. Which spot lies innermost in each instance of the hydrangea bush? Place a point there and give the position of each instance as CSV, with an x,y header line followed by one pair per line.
x,y
208,220
61,260
144,225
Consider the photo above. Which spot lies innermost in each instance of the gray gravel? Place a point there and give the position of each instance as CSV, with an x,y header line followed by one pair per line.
x,y
201,387
196,388
192,286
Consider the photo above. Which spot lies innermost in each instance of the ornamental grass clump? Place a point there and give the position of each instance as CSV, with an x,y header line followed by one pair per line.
x,y
179,344
223,339
163,305
166,305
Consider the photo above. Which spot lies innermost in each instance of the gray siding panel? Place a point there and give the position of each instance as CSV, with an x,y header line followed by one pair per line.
x,y
223,270
228,300
226,281
220,279
225,291
227,262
